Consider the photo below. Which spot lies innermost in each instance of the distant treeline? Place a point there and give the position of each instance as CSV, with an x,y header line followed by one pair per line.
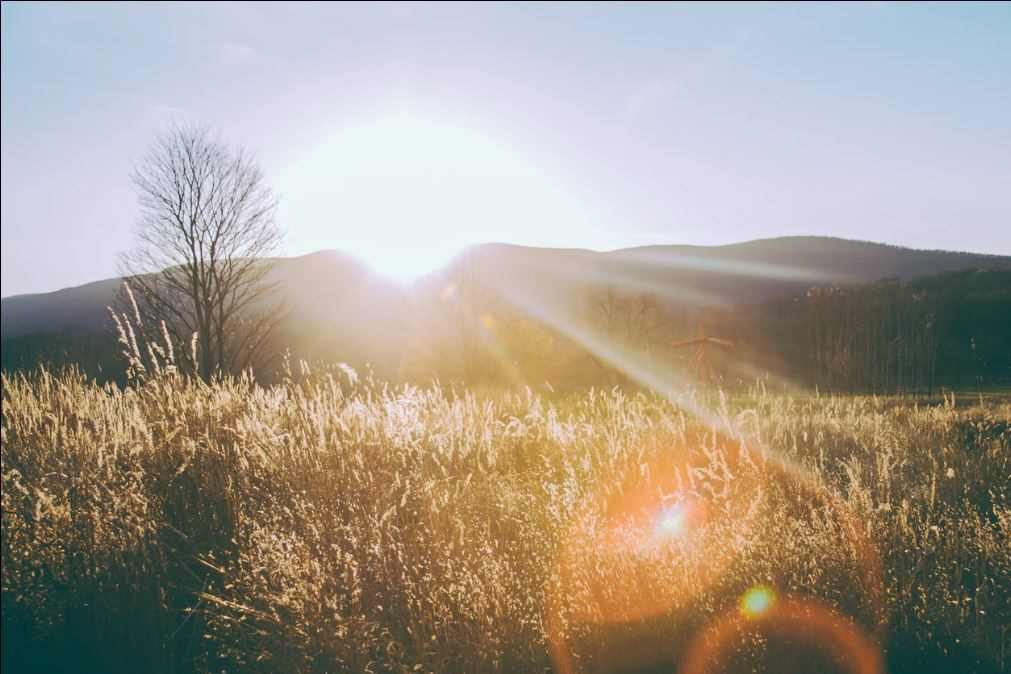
x,y
951,330
96,353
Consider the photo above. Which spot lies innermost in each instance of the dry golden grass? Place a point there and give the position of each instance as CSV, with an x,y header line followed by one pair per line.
x,y
336,525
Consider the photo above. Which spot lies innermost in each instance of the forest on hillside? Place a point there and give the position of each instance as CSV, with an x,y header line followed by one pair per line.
x,y
950,330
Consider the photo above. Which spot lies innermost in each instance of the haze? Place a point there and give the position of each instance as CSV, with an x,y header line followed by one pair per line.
x,y
401,133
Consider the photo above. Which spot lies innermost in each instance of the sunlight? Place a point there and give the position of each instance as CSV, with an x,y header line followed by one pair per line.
x,y
406,192
684,262
660,377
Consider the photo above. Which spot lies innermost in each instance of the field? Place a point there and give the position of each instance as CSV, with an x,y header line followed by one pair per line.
x,y
332,524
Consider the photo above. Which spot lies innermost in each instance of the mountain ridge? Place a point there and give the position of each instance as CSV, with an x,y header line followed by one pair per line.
x,y
742,272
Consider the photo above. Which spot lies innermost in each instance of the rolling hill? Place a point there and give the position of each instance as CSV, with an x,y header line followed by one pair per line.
x,y
338,309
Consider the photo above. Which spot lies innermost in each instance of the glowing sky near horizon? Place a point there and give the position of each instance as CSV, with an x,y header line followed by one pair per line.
x,y
402,132
438,186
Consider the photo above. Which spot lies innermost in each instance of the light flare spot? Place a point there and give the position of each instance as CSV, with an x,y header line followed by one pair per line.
x,y
757,601
671,522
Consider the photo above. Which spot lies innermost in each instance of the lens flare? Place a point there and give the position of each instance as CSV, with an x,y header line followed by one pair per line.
x,y
657,543
757,601
651,547
671,522
796,635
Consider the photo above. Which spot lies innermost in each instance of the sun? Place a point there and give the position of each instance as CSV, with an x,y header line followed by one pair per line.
x,y
405,193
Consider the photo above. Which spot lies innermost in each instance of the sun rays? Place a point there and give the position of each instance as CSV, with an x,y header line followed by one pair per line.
x,y
654,538
406,191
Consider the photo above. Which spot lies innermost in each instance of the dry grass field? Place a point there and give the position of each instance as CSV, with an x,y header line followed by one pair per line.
x,y
331,524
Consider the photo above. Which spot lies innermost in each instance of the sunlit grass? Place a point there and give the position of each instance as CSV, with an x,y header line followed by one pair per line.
x,y
331,524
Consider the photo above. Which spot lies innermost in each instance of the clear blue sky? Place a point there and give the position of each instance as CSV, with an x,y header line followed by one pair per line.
x,y
595,125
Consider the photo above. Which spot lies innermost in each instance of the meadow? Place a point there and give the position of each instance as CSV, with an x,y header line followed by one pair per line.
x,y
332,523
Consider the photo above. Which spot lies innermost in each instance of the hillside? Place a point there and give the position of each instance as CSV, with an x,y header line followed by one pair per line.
x,y
339,309
319,284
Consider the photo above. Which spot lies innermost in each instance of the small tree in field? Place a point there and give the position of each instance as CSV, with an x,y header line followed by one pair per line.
x,y
207,225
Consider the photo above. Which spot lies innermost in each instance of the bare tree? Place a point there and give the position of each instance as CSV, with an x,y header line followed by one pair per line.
x,y
207,224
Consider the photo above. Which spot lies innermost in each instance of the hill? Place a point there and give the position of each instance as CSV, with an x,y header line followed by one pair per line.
x,y
339,309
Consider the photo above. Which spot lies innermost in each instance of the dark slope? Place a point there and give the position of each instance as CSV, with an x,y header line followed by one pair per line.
x,y
339,309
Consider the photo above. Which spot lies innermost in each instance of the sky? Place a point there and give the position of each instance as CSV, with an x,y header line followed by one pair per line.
x,y
403,132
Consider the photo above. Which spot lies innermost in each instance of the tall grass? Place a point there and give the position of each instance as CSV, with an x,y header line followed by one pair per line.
x,y
329,524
